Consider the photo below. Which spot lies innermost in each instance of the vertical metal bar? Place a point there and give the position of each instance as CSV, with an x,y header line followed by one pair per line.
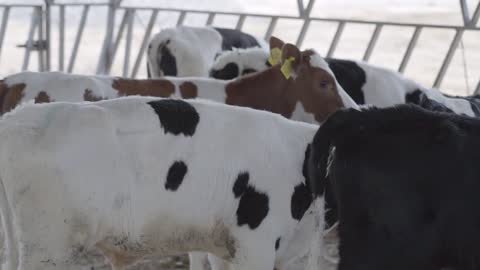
x,y
448,57
48,28
40,50
465,13
103,66
211,17
240,22
61,45
476,15
181,18
336,39
128,44
78,37
143,46
301,8
31,32
271,28
3,26
411,46
120,31
303,32
477,90
373,41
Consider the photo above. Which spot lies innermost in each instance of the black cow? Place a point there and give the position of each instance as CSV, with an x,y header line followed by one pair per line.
x,y
403,183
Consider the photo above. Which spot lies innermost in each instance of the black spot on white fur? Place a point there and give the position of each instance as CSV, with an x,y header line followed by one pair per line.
x,y
228,72
167,63
176,116
232,38
277,243
350,76
175,175
253,206
419,98
302,195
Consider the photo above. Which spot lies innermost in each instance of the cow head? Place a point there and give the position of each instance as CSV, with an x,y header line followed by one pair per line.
x,y
314,84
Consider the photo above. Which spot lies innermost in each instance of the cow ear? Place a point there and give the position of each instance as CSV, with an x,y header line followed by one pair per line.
x,y
276,43
290,60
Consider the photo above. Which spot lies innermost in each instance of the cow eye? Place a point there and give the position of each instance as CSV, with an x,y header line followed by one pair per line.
x,y
324,84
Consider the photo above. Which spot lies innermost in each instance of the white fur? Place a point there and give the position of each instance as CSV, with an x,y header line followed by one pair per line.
x,y
194,49
250,58
76,174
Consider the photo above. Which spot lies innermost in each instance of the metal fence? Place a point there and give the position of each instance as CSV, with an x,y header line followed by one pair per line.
x,y
39,38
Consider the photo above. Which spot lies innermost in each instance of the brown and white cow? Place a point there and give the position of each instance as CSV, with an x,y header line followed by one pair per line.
x,y
309,95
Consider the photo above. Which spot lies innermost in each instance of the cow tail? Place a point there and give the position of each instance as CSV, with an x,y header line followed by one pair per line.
x,y
7,232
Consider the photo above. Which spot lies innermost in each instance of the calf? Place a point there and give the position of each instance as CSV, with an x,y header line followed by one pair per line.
x,y
128,178
365,83
309,94
404,184
190,51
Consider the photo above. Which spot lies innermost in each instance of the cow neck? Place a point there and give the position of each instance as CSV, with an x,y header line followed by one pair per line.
x,y
267,90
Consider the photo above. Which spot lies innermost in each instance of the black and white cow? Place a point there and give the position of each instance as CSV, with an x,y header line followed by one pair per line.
x,y
404,184
186,51
138,177
365,83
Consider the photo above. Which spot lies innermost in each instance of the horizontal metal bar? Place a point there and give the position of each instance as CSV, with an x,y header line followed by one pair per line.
x,y
448,58
336,39
373,41
386,23
20,6
411,46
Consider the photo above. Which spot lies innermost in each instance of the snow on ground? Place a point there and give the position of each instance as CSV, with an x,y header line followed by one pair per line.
x,y
461,78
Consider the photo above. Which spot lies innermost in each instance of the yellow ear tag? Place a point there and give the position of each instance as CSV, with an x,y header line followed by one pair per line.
x,y
286,68
275,56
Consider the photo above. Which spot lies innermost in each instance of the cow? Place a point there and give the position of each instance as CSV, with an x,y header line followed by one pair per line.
x,y
239,62
403,183
364,82
309,94
140,177
186,51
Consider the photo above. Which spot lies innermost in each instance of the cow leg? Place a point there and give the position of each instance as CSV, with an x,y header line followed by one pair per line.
x,y
198,260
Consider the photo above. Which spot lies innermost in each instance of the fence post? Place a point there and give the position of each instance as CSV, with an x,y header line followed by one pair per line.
x,y
105,59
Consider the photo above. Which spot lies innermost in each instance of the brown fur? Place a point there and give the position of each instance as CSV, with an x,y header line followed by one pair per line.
x,y
154,88
89,96
13,96
269,90
188,90
42,97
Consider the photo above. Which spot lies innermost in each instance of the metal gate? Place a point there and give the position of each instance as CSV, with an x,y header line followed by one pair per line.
x,y
51,15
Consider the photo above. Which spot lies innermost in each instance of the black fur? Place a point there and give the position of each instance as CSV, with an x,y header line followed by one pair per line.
x,y
228,72
168,63
419,98
406,182
232,38
253,205
175,175
350,76
302,194
248,71
277,243
176,116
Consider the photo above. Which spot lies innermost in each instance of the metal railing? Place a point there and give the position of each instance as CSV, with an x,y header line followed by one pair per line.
x,y
41,24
